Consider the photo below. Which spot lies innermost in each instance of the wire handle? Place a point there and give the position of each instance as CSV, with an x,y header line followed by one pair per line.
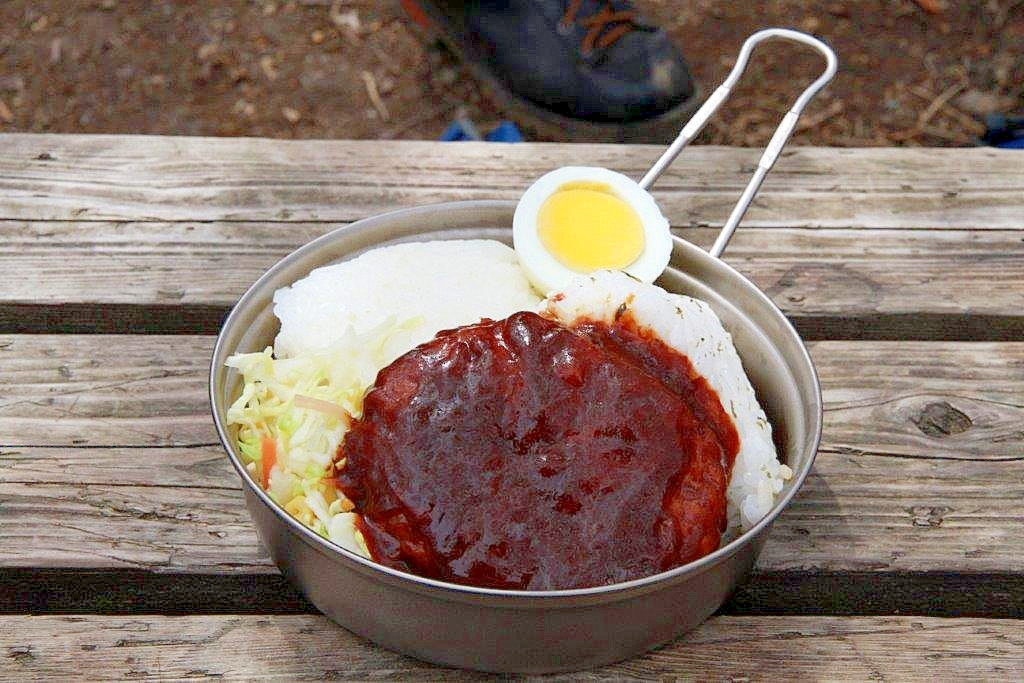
x,y
696,124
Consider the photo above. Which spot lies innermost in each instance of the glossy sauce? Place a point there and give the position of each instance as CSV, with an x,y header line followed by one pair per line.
x,y
521,454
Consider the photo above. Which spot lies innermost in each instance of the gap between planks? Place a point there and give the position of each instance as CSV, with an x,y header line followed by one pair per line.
x,y
201,319
41,590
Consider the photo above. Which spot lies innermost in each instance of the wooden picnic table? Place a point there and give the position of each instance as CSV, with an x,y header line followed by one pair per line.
x,y
125,546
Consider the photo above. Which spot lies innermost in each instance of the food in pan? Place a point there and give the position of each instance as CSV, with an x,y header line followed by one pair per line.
x,y
423,406
339,326
576,448
565,463
624,442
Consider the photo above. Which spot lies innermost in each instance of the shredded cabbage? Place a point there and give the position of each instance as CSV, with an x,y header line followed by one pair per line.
x,y
305,437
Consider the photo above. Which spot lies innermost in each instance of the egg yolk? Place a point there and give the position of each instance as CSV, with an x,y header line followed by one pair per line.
x,y
586,227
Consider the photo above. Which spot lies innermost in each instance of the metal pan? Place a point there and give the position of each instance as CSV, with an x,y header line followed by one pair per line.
x,y
524,631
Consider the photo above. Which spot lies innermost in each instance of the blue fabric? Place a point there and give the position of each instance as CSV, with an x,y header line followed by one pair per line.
x,y
454,133
1005,132
506,131
1016,143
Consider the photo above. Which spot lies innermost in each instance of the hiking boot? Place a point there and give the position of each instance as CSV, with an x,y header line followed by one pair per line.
x,y
567,61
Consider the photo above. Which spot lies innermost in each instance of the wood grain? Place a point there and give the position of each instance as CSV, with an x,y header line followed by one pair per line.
x,y
137,391
109,460
62,178
839,272
868,513
69,390
83,647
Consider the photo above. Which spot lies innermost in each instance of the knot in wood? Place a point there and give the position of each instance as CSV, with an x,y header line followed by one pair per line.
x,y
20,653
941,419
928,516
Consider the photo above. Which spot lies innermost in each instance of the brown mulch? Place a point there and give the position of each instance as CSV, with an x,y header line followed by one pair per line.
x,y
912,72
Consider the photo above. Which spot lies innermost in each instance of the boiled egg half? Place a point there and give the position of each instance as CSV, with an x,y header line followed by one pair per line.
x,y
577,219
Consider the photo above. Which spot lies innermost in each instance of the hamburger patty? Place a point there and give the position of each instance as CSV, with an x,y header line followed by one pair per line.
x,y
521,454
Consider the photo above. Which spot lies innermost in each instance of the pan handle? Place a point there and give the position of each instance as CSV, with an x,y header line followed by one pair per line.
x,y
779,138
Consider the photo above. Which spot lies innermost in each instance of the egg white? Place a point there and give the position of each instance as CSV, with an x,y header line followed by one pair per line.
x,y
545,272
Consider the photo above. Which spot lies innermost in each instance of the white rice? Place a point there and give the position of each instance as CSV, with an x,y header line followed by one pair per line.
x,y
692,328
430,286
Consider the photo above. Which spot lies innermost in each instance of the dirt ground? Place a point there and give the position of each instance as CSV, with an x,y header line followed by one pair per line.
x,y
912,72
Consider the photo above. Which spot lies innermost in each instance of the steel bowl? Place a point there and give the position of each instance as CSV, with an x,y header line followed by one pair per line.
x,y
511,630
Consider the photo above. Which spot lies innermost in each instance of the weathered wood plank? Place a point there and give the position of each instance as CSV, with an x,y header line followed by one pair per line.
x,y
86,391
182,277
807,272
881,398
921,467
142,263
922,400
155,527
59,177
866,513
299,647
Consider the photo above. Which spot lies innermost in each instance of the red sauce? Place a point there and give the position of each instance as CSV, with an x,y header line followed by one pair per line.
x,y
521,454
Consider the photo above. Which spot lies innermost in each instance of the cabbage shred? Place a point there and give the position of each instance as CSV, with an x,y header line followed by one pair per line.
x,y
306,439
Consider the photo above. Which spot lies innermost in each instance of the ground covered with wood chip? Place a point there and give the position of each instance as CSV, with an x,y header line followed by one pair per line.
x,y
913,72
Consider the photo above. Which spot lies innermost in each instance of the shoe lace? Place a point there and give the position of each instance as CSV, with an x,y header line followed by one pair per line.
x,y
604,28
